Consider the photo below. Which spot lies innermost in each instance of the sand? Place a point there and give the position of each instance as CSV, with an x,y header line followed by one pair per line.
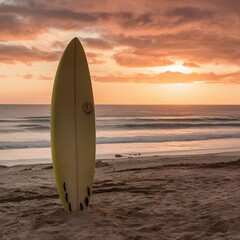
x,y
178,197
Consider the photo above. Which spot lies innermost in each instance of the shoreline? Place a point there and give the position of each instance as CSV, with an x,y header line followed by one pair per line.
x,y
167,154
137,157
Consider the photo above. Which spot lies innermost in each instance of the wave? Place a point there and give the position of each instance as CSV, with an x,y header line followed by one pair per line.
x,y
23,128
8,120
34,126
38,117
9,130
166,125
42,123
123,140
40,128
26,120
161,139
25,144
123,127
134,119
168,119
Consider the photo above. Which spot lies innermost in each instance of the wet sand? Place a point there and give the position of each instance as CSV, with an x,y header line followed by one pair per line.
x,y
177,197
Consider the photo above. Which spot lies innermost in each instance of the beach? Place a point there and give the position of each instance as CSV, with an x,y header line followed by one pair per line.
x,y
157,197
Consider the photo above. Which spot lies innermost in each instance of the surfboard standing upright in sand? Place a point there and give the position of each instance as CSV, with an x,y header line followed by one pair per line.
x,y
73,135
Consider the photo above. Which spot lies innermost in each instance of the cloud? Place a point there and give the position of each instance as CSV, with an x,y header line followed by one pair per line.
x,y
172,77
11,54
61,45
97,43
95,58
191,65
28,76
189,14
130,59
189,46
34,77
3,76
147,34
45,78
29,19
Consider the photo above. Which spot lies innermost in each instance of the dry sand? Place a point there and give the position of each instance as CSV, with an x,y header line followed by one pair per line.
x,y
181,197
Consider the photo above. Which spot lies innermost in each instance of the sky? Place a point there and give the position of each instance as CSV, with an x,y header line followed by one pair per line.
x,y
139,52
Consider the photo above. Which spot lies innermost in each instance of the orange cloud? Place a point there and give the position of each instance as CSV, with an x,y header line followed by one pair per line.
x,y
191,65
43,77
27,19
136,35
34,77
97,43
10,54
189,46
94,58
131,59
172,77
3,76
28,76
189,14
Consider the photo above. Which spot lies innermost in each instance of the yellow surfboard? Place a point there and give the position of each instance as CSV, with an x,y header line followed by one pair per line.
x,y
73,136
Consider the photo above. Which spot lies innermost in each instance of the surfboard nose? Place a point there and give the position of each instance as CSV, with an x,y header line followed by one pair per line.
x,y
76,40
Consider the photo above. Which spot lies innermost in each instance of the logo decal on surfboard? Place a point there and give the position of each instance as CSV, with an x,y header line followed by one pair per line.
x,y
87,107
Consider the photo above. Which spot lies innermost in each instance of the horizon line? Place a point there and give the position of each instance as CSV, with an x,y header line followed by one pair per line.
x,y
134,104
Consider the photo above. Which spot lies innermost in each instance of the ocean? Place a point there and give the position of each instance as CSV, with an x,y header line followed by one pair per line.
x,y
128,130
